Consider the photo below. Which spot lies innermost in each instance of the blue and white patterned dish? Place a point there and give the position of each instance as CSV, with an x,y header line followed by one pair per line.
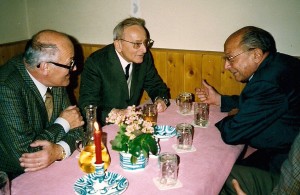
x,y
164,131
113,183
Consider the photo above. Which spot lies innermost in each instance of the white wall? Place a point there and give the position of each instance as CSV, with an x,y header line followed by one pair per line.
x,y
13,21
178,24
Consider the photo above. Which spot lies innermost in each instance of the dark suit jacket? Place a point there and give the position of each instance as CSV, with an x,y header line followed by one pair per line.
x,y
269,108
103,82
23,116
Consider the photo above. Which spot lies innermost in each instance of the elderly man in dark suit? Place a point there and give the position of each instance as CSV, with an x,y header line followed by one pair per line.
x,y
116,76
38,129
267,112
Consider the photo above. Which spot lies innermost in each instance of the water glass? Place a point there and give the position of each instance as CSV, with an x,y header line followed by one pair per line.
x,y
184,136
168,169
185,102
150,113
201,114
4,184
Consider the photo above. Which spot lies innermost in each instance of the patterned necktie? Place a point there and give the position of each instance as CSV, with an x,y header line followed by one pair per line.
x,y
49,103
127,71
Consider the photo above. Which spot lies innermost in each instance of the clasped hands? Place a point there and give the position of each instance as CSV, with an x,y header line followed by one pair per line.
x,y
50,152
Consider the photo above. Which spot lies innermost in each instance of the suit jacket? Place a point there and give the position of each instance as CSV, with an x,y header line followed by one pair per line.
x,y
103,82
289,182
269,108
23,116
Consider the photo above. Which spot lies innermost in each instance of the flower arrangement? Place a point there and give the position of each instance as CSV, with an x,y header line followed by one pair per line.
x,y
135,135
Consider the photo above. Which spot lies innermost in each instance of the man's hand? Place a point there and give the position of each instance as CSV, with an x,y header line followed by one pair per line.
x,y
161,105
208,94
73,116
237,187
233,112
38,160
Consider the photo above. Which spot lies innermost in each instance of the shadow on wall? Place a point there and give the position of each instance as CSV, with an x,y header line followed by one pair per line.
x,y
74,79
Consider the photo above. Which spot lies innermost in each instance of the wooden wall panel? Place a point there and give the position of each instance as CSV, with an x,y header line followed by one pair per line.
x,y
181,70
192,72
176,74
211,70
10,50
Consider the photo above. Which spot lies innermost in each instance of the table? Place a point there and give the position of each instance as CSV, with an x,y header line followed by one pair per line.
x,y
203,171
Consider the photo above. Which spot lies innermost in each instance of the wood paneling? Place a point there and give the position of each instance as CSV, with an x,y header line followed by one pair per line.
x,y
181,70
9,50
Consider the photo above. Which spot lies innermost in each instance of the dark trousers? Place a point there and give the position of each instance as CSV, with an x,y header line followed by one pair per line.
x,y
253,181
254,175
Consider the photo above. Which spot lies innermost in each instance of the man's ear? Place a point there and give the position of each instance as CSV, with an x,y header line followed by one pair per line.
x,y
118,45
258,55
44,68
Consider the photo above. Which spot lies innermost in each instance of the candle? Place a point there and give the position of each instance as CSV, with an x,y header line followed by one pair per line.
x,y
97,140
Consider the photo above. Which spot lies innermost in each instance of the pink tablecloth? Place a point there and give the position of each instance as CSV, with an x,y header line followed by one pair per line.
x,y
201,172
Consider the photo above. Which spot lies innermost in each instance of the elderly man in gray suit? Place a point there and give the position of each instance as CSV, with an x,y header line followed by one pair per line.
x,y
38,125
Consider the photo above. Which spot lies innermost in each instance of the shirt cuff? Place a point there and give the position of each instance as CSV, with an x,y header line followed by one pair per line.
x,y
66,147
63,122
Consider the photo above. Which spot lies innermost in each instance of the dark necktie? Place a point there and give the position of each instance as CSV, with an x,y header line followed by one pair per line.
x,y
49,103
127,71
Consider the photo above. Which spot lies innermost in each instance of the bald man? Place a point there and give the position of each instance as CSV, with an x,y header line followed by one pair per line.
x,y
31,137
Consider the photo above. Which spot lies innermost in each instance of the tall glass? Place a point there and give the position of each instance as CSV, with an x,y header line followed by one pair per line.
x,y
150,113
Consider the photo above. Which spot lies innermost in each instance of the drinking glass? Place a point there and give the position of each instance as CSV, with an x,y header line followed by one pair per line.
x,y
185,102
4,184
168,169
184,136
150,113
201,114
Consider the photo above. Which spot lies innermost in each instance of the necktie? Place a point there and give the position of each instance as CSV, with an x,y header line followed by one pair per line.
x,y
49,103
127,71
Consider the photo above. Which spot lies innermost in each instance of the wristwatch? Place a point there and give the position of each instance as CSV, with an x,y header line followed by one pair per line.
x,y
166,100
63,154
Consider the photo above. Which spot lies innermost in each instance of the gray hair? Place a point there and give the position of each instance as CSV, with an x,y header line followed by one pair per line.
x,y
119,29
37,51
254,37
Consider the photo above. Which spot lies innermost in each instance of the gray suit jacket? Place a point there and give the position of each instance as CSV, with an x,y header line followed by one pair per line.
x,y
23,116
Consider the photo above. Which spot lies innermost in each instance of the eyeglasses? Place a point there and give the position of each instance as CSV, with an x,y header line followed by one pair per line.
x,y
70,68
230,58
147,43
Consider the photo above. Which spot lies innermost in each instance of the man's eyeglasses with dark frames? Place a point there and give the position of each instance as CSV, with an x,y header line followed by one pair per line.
x,y
230,58
147,43
70,67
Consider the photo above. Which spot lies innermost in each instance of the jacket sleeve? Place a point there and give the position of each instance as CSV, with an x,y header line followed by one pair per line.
x,y
229,102
261,105
153,84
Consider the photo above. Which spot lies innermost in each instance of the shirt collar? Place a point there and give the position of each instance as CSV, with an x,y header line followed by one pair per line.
x,y
124,63
42,88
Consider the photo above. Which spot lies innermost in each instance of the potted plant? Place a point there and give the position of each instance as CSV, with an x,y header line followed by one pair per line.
x,y
135,135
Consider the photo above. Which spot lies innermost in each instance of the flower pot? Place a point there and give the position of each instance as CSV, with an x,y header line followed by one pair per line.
x,y
125,163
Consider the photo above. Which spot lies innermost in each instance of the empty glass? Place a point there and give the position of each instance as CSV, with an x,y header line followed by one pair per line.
x,y
201,114
184,136
185,102
4,184
168,169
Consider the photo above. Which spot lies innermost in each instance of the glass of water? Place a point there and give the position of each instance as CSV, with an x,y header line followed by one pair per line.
x,y
184,136
168,169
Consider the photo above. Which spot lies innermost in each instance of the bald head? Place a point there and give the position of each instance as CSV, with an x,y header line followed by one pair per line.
x,y
250,37
47,45
49,58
